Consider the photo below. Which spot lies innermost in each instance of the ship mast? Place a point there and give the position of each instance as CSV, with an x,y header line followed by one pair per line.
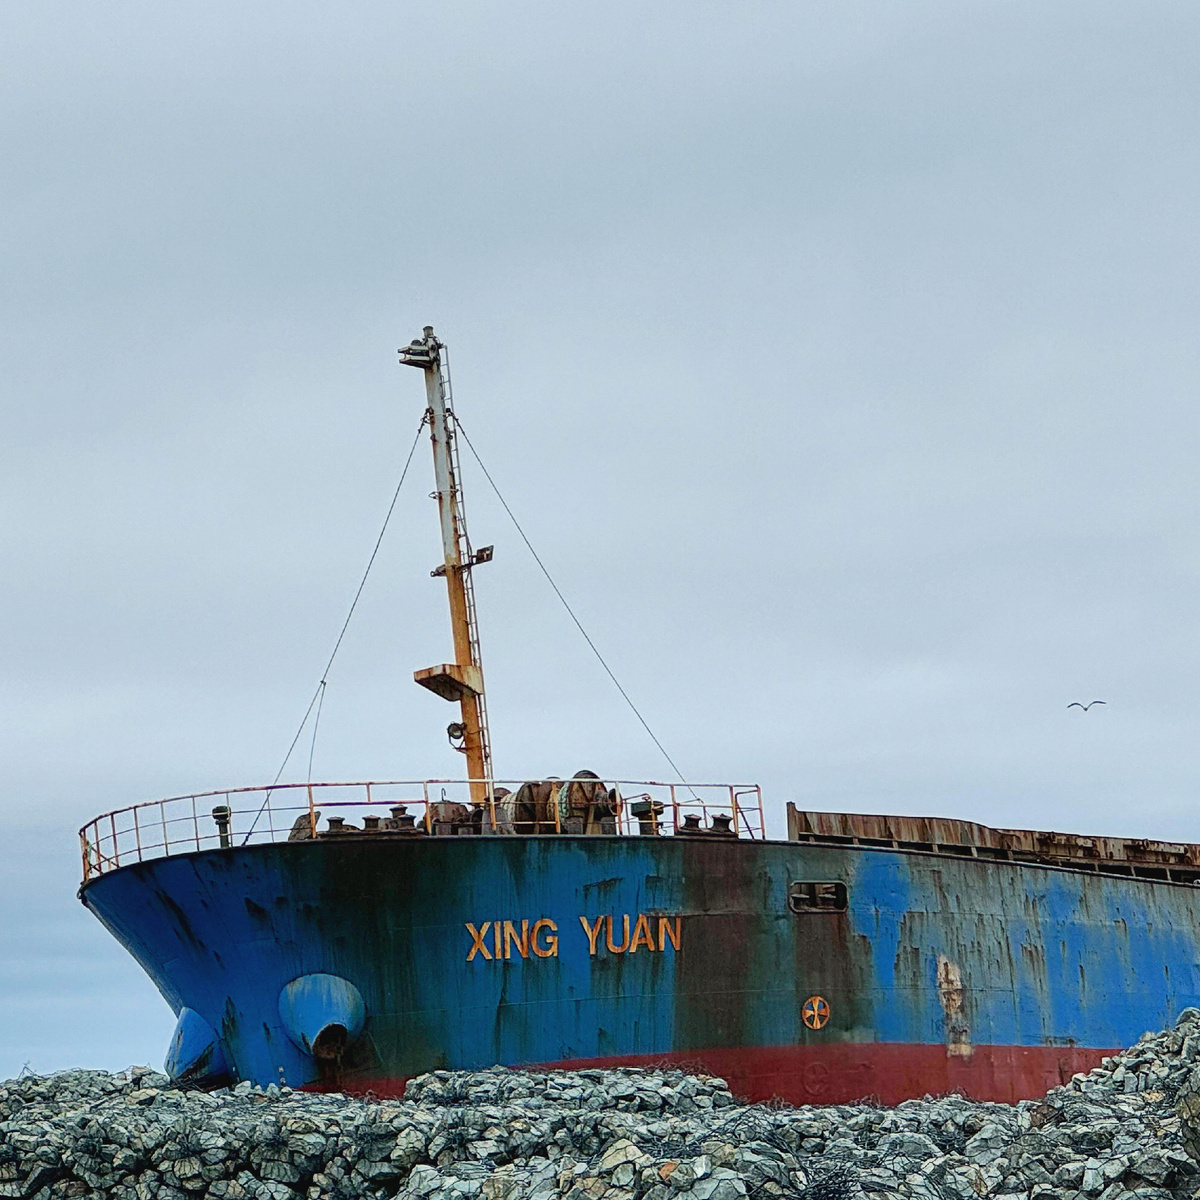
x,y
462,680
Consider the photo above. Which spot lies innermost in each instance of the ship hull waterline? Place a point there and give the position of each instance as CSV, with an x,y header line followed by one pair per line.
x,y
995,979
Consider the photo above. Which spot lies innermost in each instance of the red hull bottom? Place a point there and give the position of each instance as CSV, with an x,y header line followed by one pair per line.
x,y
843,1072
880,1071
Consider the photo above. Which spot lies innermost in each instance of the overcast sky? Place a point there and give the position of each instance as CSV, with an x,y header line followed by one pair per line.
x,y
840,360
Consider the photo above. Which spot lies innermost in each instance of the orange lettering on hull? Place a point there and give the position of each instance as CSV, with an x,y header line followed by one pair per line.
x,y
636,932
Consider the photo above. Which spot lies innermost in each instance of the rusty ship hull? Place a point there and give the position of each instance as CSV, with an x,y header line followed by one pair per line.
x,y
565,922
832,966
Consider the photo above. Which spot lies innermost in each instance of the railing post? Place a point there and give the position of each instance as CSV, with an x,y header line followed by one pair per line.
x,y
737,824
762,824
116,854
137,833
746,791
312,812
674,809
425,794
86,851
162,813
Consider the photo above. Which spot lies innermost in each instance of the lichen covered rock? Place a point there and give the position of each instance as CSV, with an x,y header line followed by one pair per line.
x,y
1129,1130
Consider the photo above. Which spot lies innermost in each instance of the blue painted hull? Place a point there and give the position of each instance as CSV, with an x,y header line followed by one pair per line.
x,y
996,978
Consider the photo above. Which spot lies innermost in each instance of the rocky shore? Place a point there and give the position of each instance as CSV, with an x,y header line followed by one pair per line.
x,y
1129,1130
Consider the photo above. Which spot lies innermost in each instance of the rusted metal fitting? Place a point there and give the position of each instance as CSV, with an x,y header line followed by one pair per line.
x,y
223,816
648,813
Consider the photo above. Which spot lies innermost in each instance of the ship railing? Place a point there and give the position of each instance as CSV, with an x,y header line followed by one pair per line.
x,y
236,817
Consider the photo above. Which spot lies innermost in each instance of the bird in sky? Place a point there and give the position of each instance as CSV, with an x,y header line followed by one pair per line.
x,y
1085,707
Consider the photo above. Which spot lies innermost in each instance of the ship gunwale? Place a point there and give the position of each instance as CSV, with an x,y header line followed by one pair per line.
x,y
735,845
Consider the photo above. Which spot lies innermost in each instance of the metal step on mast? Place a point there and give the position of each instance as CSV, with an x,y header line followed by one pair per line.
x,y
462,680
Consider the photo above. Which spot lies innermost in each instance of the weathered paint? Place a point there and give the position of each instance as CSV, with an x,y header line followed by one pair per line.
x,y
991,977
1134,857
312,1004
195,1051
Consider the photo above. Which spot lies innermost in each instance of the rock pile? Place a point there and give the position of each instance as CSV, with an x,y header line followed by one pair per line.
x,y
1122,1132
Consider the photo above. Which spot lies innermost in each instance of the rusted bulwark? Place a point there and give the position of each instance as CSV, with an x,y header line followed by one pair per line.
x,y
947,835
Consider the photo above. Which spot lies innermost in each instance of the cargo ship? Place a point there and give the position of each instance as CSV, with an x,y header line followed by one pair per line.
x,y
348,936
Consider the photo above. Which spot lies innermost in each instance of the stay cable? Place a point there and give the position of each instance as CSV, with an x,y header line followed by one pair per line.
x,y
570,611
318,696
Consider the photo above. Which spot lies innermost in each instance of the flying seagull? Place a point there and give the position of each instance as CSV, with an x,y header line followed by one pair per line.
x,y
1085,707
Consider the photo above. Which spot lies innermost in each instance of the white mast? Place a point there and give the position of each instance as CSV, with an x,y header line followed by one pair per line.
x,y
461,680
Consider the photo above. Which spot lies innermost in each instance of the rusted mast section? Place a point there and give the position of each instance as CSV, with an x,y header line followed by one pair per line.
x,y
461,680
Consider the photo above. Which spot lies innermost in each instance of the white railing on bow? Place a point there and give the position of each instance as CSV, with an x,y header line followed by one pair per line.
x,y
432,807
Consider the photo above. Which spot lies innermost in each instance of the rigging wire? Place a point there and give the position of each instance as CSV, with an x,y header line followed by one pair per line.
x,y
570,611
318,696
312,746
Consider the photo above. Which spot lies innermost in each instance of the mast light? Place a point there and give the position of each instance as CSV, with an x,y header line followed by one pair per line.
x,y
420,352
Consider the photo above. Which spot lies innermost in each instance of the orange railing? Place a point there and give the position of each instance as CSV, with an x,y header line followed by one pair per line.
x,y
435,807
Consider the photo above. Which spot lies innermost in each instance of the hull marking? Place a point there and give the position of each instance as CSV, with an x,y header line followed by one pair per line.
x,y
815,1012
540,937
